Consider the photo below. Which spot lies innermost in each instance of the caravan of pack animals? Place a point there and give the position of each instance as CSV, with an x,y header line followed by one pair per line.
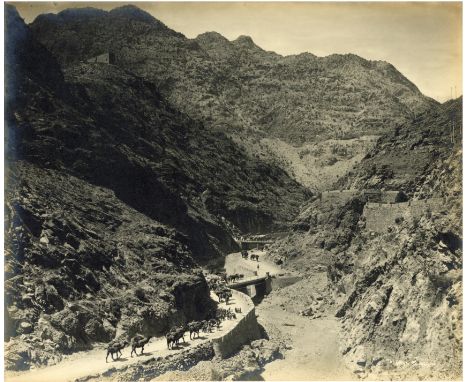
x,y
218,284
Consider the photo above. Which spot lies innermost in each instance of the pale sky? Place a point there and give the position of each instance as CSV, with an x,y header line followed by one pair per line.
x,y
422,40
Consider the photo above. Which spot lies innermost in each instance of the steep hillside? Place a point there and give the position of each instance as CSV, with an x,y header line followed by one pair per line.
x,y
112,198
397,291
316,165
82,267
402,158
115,129
237,87
238,84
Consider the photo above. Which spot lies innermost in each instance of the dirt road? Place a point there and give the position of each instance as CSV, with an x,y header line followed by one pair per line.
x,y
93,362
234,263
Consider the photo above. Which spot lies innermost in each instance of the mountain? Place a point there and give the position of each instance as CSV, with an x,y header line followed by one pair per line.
x,y
239,88
130,139
398,289
113,199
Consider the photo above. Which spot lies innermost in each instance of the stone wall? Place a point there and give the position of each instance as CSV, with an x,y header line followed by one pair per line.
x,y
380,216
246,330
339,196
106,58
369,195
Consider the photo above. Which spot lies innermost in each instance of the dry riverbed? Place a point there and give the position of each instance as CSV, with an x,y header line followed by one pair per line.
x,y
301,318
312,340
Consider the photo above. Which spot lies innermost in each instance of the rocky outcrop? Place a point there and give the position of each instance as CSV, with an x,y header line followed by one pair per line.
x,y
403,158
396,276
81,265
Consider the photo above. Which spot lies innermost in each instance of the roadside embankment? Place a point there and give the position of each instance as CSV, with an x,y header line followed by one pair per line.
x,y
244,331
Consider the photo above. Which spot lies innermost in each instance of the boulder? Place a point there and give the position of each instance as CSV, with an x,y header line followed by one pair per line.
x,y
25,327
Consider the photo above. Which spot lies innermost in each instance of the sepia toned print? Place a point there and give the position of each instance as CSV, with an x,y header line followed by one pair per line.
x,y
233,191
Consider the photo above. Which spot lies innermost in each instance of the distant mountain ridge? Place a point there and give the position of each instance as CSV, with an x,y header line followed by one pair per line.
x,y
237,86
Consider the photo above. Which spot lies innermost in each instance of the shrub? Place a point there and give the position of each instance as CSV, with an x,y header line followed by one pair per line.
x,y
140,294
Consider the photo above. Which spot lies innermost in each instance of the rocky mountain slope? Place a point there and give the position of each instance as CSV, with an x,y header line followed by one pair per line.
x,y
116,130
404,157
296,98
81,267
397,292
113,196
237,87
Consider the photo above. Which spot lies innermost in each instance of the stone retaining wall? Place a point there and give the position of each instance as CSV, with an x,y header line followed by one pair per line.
x,y
246,330
284,281
380,216
339,196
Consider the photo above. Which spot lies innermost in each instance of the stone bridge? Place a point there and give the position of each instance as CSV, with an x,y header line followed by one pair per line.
x,y
255,287
253,244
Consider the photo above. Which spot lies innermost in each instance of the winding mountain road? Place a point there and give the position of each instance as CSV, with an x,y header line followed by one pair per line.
x,y
93,362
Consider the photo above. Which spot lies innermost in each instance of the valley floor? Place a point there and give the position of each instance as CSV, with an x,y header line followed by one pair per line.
x,y
313,343
314,353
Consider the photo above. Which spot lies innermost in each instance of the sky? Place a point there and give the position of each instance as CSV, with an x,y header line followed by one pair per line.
x,y
422,40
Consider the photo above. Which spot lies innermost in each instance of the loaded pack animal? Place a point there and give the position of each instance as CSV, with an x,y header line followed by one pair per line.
x,y
238,310
195,327
245,254
237,276
221,314
224,295
214,323
139,342
116,347
229,314
174,335
234,277
206,327
170,338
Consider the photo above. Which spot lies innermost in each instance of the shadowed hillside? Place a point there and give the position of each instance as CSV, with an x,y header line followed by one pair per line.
x,y
116,130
